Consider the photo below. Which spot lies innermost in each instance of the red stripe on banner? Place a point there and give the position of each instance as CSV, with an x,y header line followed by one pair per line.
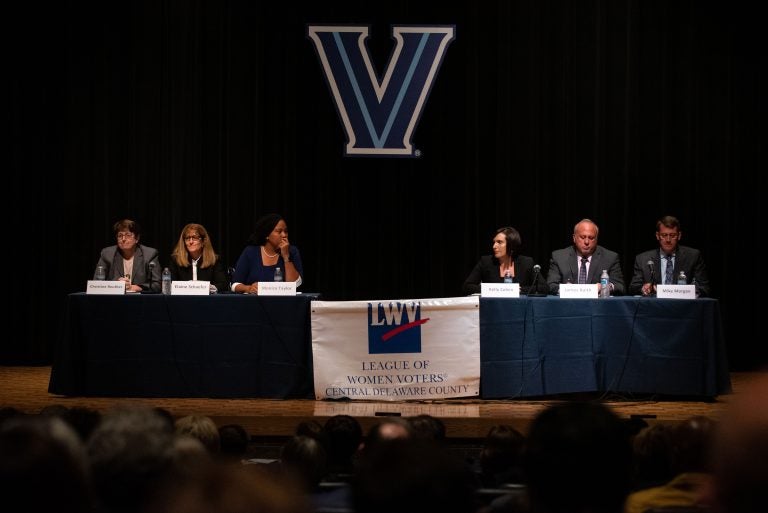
x,y
402,328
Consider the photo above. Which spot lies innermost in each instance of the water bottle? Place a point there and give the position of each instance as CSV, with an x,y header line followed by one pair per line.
x,y
605,285
101,274
507,277
166,281
681,279
278,274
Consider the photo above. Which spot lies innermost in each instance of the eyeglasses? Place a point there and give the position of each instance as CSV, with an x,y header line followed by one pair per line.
x,y
125,236
195,238
669,236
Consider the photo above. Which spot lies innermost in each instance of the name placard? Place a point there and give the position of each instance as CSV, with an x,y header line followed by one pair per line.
x,y
500,289
579,290
676,291
277,288
105,287
190,288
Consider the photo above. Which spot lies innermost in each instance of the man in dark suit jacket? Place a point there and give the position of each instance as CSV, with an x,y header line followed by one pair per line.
x,y
685,259
565,263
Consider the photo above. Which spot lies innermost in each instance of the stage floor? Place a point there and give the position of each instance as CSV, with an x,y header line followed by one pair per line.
x,y
26,388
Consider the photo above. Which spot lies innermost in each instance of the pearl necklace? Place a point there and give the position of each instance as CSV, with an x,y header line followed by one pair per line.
x,y
267,254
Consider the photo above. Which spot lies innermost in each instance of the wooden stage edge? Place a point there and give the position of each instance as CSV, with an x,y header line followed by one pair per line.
x,y
26,389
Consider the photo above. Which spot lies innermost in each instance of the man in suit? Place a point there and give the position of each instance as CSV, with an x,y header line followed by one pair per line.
x,y
584,261
669,259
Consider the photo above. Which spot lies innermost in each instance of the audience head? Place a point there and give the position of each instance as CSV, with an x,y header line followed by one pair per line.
x,y
652,455
691,444
387,429
130,451
585,237
310,428
202,428
427,427
304,459
234,440
740,456
343,436
577,459
219,487
501,457
43,466
407,475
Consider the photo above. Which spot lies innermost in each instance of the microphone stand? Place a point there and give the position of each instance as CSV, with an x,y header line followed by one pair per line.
x,y
533,291
653,279
150,269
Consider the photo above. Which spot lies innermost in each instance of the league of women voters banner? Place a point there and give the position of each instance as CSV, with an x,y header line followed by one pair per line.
x,y
396,350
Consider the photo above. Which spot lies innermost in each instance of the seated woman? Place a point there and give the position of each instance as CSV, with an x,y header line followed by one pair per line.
x,y
193,258
268,249
505,260
129,261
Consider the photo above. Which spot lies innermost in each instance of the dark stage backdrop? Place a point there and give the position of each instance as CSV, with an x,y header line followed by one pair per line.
x,y
544,112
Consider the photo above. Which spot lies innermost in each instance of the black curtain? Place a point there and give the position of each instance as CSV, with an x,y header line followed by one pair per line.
x,y
543,113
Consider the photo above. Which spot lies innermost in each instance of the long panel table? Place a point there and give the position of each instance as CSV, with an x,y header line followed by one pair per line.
x,y
543,346
232,345
225,345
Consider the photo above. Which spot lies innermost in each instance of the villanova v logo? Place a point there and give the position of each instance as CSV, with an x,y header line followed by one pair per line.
x,y
380,116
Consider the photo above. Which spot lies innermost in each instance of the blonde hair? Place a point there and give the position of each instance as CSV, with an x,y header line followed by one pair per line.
x,y
180,254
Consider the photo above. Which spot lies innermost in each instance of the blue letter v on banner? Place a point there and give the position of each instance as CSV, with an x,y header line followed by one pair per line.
x,y
380,116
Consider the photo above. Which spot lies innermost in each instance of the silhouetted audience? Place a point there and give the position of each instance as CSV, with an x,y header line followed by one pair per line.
x,y
501,457
577,460
304,458
342,435
652,456
201,427
43,467
691,442
427,427
409,475
130,451
740,456
234,441
226,487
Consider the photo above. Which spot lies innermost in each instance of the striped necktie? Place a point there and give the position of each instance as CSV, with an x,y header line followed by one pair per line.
x,y
583,270
668,276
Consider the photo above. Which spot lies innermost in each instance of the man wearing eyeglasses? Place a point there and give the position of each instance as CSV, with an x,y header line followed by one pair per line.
x,y
664,265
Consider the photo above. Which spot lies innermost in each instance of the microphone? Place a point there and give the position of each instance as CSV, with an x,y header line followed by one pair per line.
x,y
653,275
533,291
150,270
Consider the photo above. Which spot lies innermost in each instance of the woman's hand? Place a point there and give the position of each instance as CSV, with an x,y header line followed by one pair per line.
x,y
285,248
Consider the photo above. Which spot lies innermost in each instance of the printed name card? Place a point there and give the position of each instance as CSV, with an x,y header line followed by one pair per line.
x,y
579,290
277,288
676,291
500,289
190,288
105,287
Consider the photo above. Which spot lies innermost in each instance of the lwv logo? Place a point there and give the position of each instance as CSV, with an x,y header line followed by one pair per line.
x,y
380,116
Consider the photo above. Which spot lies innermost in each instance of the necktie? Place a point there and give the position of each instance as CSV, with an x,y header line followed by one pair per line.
x,y
583,270
668,273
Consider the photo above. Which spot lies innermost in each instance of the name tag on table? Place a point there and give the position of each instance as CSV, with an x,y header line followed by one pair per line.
x,y
500,289
105,287
676,291
578,290
277,288
190,288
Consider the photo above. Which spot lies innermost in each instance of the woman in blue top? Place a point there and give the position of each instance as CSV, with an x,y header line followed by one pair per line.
x,y
268,248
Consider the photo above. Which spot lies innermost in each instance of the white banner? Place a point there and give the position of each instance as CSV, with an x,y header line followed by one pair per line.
x,y
396,350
